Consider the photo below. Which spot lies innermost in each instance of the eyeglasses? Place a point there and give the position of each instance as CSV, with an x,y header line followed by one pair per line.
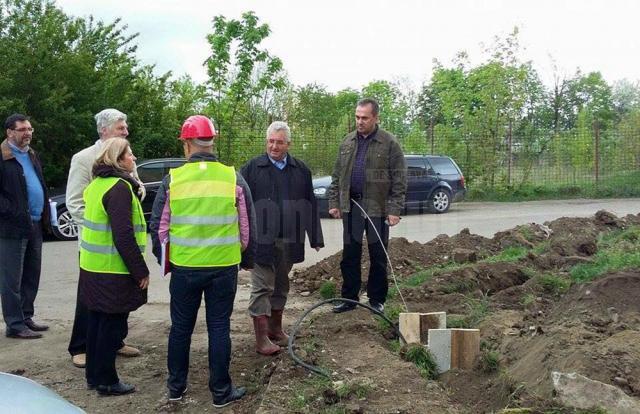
x,y
23,129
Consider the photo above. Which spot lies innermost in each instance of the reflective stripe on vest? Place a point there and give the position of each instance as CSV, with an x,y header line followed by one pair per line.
x,y
203,229
98,253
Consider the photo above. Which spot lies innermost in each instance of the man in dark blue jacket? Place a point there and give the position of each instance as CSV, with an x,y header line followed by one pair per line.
x,y
24,211
286,211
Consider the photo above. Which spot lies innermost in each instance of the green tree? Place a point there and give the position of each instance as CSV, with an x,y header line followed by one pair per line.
x,y
241,73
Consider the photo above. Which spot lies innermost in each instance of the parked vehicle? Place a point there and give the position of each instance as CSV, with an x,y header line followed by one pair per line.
x,y
433,183
151,173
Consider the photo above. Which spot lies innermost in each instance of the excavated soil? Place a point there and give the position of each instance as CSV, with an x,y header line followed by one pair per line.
x,y
592,328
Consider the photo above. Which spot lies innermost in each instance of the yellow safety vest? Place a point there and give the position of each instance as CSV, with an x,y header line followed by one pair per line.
x,y
203,230
98,253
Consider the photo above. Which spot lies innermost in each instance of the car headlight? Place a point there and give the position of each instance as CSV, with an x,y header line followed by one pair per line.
x,y
320,191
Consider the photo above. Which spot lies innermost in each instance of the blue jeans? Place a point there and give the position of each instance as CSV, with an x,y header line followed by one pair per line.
x,y
187,287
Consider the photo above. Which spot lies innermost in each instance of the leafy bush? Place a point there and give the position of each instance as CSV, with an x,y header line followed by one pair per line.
x,y
328,290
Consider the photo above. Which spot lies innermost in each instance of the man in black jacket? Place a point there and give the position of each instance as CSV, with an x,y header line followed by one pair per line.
x,y
24,210
286,211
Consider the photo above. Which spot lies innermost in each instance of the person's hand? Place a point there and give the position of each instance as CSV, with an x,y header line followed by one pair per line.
x,y
393,220
334,212
144,283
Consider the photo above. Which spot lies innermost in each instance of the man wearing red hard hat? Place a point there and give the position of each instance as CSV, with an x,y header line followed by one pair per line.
x,y
204,211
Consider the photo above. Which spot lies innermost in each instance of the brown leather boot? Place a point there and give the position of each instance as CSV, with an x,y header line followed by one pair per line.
x,y
263,345
276,334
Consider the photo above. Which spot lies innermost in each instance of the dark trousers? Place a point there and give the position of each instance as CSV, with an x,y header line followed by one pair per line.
x,y
187,288
20,264
78,341
354,226
104,334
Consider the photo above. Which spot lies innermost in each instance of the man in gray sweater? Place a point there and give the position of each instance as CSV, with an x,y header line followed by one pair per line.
x,y
110,123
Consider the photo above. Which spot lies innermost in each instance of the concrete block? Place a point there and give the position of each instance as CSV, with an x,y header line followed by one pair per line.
x,y
454,348
414,326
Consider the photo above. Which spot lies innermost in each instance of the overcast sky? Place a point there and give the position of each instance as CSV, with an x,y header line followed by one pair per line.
x,y
349,43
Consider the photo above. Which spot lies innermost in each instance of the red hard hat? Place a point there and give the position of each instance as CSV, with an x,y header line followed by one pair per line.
x,y
197,126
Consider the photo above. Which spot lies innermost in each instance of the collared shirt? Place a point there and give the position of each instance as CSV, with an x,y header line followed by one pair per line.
x,y
358,174
35,192
279,164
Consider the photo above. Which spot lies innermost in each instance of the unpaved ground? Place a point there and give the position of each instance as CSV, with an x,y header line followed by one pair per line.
x,y
593,328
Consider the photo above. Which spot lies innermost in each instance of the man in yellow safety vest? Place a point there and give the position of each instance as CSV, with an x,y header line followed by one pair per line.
x,y
203,212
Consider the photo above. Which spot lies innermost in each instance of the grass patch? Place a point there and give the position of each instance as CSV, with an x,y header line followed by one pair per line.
x,y
527,299
623,184
478,309
490,361
356,389
458,286
457,322
616,251
421,358
307,391
328,290
542,247
391,311
554,284
510,254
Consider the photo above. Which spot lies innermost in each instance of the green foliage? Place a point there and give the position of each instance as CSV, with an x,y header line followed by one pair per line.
x,y
328,290
554,284
422,358
354,388
457,322
527,299
60,70
478,308
459,286
391,311
489,361
620,250
510,254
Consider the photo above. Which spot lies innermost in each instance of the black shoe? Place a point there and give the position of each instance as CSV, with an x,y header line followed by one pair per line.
x,y
344,307
377,306
36,327
23,334
234,395
119,388
176,395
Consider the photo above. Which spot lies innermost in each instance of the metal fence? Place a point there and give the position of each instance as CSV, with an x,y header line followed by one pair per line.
x,y
567,159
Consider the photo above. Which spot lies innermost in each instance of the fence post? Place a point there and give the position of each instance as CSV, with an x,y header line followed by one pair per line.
x,y
431,133
596,130
509,153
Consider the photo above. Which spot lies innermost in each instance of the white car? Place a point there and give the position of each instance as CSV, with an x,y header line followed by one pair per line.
x,y
20,395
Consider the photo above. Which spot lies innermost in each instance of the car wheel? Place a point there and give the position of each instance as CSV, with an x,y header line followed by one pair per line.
x,y
440,201
66,228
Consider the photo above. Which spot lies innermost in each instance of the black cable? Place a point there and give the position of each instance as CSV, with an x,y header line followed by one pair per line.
x,y
296,326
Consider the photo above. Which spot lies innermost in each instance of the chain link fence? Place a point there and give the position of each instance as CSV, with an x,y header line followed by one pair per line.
x,y
566,161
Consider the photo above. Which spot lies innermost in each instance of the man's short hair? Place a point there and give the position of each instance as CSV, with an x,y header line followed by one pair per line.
x,y
11,121
108,117
279,126
375,106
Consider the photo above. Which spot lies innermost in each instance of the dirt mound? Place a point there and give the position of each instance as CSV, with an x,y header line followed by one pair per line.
x,y
618,293
407,258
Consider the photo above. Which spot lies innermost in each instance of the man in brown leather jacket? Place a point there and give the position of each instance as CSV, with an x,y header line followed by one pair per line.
x,y
369,177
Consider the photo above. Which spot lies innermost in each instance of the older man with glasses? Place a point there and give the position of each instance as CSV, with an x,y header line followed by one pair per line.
x,y
23,214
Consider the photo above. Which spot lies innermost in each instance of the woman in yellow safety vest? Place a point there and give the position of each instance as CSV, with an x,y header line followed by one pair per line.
x,y
113,274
